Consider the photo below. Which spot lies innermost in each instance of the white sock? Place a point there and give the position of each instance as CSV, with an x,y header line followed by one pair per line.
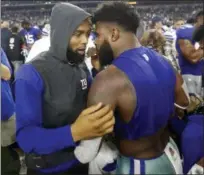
x,y
87,150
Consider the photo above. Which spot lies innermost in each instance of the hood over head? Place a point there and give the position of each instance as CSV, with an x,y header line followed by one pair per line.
x,y
65,19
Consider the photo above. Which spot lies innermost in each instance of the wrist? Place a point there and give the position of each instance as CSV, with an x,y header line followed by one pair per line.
x,y
75,133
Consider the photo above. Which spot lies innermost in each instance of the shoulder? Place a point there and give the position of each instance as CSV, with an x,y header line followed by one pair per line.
x,y
184,32
111,79
28,73
108,86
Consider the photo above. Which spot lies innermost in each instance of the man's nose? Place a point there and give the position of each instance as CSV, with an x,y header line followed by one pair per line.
x,y
84,39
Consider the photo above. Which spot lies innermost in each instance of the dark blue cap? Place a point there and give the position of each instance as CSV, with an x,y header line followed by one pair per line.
x,y
156,19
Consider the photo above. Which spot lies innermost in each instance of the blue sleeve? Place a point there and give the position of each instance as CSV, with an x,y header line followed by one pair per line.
x,y
180,33
30,135
185,33
7,102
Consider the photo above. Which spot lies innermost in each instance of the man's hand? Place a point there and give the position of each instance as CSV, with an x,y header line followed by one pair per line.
x,y
5,72
94,57
194,103
189,51
95,62
91,51
94,121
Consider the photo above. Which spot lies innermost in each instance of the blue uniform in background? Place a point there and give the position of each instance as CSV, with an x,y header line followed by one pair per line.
x,y
191,72
193,142
186,33
30,35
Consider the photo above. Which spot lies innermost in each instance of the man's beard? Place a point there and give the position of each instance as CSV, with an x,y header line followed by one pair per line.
x,y
73,57
105,54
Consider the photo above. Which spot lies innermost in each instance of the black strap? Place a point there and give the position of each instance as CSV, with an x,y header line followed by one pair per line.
x,y
36,162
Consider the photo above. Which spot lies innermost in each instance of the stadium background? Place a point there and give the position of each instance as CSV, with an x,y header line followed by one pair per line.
x,y
38,12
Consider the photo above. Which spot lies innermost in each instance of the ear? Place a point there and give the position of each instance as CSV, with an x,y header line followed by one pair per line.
x,y
115,35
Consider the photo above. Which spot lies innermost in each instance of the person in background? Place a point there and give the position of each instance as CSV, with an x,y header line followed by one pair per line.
x,y
185,131
198,36
30,34
190,21
170,46
5,34
38,47
10,163
189,56
155,40
157,24
192,145
14,49
46,30
178,23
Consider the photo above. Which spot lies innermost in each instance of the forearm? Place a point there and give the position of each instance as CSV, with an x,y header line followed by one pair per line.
x,y
197,55
33,139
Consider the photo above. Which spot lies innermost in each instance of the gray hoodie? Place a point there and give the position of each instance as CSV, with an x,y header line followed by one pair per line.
x,y
65,19
65,86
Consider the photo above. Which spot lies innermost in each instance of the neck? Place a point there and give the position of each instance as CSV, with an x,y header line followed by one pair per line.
x,y
124,45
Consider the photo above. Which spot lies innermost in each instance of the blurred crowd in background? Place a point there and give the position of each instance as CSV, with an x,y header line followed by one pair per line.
x,y
39,12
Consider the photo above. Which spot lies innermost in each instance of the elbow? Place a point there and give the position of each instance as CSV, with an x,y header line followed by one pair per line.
x,y
24,143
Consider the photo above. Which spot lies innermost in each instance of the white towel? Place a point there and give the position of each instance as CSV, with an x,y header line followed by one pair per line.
x,y
107,154
87,150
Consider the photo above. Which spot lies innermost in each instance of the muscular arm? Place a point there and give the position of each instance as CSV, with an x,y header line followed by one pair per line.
x,y
181,95
113,88
189,52
104,89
